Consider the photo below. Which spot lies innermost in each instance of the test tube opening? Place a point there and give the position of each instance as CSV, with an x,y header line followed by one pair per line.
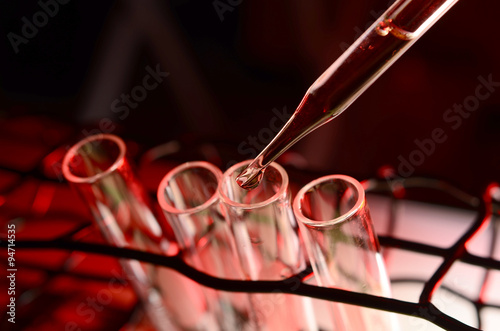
x,y
329,200
189,187
93,158
273,185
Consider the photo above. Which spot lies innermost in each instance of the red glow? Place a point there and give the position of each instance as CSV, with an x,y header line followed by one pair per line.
x,y
27,154
7,179
398,190
43,198
386,171
51,164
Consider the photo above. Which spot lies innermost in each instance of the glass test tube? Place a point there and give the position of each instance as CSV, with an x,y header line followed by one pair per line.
x,y
100,172
343,247
188,197
268,244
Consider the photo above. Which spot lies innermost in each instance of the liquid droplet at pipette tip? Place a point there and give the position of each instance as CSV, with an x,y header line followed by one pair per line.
x,y
251,177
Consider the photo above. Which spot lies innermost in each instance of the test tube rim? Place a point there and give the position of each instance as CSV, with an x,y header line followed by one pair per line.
x,y
178,169
246,206
357,207
71,177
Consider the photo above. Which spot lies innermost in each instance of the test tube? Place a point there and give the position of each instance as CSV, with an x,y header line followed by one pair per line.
x,y
97,168
343,248
188,197
268,245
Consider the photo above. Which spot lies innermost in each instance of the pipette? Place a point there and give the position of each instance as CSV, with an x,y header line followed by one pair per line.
x,y
350,75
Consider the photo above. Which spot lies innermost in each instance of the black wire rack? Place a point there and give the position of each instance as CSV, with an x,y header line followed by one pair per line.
x,y
486,209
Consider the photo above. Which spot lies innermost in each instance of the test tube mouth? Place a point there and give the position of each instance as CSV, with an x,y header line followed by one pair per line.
x,y
200,178
93,158
274,186
329,190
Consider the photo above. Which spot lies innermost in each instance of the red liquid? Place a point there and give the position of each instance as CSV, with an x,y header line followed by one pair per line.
x,y
382,44
334,94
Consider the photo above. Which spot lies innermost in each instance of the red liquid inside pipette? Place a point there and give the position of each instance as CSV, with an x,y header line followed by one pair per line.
x,y
380,46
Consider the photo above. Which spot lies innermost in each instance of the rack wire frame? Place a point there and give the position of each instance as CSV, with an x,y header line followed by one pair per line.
x,y
486,210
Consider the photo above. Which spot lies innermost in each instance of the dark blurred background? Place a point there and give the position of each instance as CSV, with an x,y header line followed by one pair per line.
x,y
233,65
